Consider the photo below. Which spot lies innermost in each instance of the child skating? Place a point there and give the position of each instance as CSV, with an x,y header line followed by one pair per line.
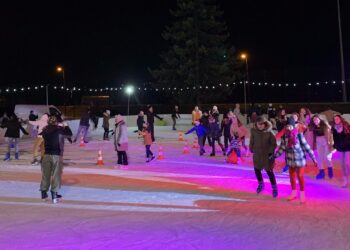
x,y
201,132
147,139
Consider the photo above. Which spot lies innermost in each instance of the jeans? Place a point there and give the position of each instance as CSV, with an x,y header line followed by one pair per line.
x,y
323,152
14,142
201,144
148,151
344,163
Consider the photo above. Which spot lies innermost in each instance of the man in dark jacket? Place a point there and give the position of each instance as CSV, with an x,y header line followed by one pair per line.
x,y
175,115
13,134
205,122
150,120
84,125
140,121
52,163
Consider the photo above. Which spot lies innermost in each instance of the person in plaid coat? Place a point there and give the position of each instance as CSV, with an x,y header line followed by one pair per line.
x,y
294,145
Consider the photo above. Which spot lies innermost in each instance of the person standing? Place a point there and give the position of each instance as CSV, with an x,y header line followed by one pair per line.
x,y
215,113
341,136
52,163
121,141
13,128
262,144
214,134
204,120
175,115
196,114
39,141
294,145
150,120
84,125
147,140
322,141
226,131
105,124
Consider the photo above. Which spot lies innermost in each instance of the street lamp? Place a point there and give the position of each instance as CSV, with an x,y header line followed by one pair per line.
x,y
61,70
129,90
245,58
342,67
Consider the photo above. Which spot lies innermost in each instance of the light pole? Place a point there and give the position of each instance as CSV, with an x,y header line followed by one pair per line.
x,y
129,90
47,96
342,67
61,70
245,58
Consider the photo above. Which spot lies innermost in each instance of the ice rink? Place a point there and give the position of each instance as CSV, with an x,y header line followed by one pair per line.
x,y
182,202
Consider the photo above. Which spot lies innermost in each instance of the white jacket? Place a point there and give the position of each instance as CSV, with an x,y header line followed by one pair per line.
x,y
121,136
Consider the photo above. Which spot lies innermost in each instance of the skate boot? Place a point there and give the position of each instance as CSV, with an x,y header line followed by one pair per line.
x,y
292,196
54,197
44,195
330,173
35,162
260,187
320,175
274,191
7,157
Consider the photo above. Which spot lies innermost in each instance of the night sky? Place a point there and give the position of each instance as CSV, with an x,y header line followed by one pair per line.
x,y
99,43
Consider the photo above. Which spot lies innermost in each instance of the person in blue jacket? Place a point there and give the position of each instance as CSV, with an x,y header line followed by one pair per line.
x,y
201,132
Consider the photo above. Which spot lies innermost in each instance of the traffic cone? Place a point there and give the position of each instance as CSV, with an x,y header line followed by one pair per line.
x,y
181,136
82,143
99,159
160,153
186,149
195,143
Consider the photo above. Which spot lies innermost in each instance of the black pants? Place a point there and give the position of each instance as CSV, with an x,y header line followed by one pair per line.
x,y
212,141
227,140
209,140
174,122
151,130
105,134
270,173
122,158
148,151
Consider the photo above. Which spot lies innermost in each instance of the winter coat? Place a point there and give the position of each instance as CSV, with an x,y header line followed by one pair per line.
x,y
40,124
226,128
341,140
106,117
296,155
140,121
200,130
216,115
85,120
213,130
262,144
121,137
150,117
52,135
175,114
147,137
196,115
13,127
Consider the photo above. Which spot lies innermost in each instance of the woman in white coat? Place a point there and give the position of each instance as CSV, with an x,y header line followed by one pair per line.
x,y
121,140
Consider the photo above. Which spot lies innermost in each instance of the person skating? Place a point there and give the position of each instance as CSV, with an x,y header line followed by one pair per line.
x,y
214,112
322,141
39,140
262,144
201,133
140,121
105,124
214,135
341,136
13,128
237,126
150,120
235,146
84,125
204,120
121,141
226,131
147,140
175,115
295,147
52,163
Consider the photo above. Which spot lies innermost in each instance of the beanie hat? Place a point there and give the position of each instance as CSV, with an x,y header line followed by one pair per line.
x,y
291,121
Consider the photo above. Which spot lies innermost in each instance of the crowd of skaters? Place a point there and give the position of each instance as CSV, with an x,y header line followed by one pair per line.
x,y
300,134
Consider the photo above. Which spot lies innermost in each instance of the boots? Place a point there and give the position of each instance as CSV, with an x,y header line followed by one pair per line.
x,y
260,187
345,182
54,197
7,157
330,173
302,197
17,156
44,195
274,191
320,175
292,196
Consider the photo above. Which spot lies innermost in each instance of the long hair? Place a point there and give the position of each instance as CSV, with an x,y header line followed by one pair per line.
x,y
239,123
346,125
323,124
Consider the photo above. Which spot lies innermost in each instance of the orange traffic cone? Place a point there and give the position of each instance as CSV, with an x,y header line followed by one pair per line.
x,y
195,143
99,159
186,149
160,153
181,136
82,143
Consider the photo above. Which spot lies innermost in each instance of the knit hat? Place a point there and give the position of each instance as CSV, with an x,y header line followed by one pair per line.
x,y
52,120
119,118
291,121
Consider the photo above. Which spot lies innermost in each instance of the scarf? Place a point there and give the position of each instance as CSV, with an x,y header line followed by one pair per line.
x,y
292,137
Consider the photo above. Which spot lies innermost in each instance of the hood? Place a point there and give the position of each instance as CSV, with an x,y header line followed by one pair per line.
x,y
268,126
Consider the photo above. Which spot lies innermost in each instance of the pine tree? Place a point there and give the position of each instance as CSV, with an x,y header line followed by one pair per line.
x,y
199,53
